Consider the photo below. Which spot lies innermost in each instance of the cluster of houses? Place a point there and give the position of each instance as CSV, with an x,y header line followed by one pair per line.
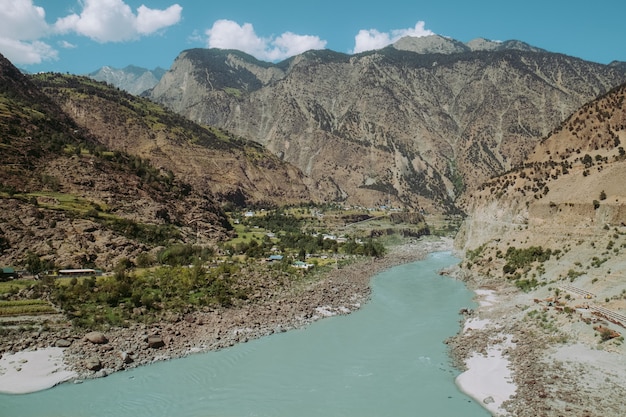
x,y
297,264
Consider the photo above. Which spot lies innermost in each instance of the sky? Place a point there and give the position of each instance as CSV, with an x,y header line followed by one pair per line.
x,y
81,36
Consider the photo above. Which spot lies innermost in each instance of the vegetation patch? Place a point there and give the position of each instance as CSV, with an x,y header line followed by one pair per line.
x,y
25,308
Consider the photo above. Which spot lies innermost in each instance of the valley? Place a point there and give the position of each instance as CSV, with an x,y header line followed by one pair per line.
x,y
237,198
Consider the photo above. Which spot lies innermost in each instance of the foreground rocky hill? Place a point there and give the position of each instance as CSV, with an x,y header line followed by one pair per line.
x,y
67,200
391,126
546,241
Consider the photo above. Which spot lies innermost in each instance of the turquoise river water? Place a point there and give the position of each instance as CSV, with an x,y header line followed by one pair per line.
x,y
386,359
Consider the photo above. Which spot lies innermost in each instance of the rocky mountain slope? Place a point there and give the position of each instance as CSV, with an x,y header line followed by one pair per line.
x,y
390,126
547,242
571,184
68,200
213,161
132,79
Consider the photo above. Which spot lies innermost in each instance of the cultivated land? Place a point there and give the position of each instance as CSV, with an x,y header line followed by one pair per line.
x,y
186,299
337,289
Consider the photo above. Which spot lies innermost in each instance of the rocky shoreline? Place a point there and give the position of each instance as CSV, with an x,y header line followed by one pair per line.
x,y
339,291
554,370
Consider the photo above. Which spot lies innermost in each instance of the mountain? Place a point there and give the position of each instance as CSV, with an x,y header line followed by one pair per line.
x,y
570,186
132,79
213,161
547,241
67,198
390,126
437,44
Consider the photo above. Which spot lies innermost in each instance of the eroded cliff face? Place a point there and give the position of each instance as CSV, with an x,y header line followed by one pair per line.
x,y
390,126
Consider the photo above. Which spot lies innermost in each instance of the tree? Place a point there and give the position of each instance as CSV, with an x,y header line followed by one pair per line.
x,y
602,195
33,263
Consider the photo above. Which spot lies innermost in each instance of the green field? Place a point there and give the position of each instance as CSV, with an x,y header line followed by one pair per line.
x,y
25,308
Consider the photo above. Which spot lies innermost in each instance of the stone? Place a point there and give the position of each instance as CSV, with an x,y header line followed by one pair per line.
x,y
126,358
97,338
489,400
93,363
155,342
63,343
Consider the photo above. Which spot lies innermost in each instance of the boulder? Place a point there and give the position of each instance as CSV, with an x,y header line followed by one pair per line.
x,y
63,343
155,342
97,338
93,363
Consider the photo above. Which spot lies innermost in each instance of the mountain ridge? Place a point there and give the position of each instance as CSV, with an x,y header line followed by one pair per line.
x,y
426,126
131,78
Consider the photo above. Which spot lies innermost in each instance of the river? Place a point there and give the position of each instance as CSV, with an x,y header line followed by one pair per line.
x,y
386,359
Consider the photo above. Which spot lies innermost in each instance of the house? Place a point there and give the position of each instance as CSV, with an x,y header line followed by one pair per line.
x,y
275,258
8,273
302,265
79,272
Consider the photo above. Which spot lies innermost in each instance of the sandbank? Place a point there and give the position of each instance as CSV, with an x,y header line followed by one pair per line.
x,y
30,371
488,378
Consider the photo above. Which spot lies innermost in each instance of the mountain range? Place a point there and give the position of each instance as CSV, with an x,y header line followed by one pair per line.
x,y
391,126
402,126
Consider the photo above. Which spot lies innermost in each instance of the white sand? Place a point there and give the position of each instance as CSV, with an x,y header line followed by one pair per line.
x,y
30,371
488,379
486,298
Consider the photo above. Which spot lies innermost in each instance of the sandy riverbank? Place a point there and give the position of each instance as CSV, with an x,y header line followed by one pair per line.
x,y
339,291
488,376
34,370
524,358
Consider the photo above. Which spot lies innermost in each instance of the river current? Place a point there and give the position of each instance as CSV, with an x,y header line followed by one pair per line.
x,y
386,359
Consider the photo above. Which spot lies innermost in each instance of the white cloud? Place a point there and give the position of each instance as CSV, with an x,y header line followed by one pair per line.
x,y
22,20
26,53
66,45
21,25
114,21
227,34
366,40
152,20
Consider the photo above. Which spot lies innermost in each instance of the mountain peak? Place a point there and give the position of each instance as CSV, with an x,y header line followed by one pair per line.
x,y
433,44
437,44
131,78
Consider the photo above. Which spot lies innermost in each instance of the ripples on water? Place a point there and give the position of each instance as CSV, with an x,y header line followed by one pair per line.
x,y
387,359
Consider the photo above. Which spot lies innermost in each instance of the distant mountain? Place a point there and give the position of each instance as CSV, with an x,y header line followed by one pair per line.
x,y
391,126
132,79
436,44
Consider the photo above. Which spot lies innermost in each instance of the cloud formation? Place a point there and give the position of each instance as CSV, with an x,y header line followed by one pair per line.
x,y
23,26
114,21
367,40
227,34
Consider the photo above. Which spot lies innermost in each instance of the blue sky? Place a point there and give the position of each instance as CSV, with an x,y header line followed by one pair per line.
x,y
80,36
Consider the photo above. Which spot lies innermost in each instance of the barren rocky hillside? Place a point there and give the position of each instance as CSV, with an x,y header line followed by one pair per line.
x,y
67,199
389,126
571,183
213,161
